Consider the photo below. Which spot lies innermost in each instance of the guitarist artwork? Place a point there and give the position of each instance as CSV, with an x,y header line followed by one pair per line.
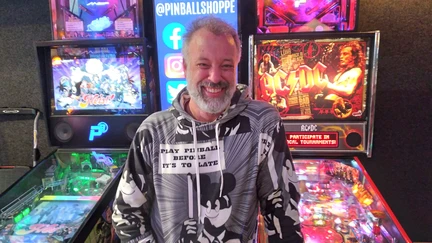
x,y
347,81
267,68
313,79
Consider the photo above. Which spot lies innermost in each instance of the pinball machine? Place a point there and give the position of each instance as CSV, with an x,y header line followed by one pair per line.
x,y
323,85
60,199
96,93
308,62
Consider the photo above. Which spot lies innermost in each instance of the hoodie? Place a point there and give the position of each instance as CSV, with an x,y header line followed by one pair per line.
x,y
187,181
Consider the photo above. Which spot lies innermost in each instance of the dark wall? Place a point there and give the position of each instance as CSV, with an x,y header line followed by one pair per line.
x,y
402,152
402,143
21,23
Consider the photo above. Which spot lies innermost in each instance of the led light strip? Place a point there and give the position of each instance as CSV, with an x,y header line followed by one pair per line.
x,y
69,198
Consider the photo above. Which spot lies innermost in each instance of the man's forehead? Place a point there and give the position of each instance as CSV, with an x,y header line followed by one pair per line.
x,y
203,34
206,57
207,42
346,48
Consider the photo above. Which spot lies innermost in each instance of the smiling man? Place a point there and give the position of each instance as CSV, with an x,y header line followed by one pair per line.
x,y
210,62
211,162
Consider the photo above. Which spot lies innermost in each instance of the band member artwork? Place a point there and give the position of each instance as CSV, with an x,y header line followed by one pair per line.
x,y
313,79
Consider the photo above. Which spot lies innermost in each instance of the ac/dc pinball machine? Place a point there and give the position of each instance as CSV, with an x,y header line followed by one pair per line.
x,y
96,96
323,85
285,16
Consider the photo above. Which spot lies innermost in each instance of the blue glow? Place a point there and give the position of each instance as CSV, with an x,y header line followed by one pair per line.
x,y
98,130
171,19
102,159
173,88
172,35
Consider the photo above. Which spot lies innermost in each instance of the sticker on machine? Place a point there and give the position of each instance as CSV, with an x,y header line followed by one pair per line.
x,y
180,158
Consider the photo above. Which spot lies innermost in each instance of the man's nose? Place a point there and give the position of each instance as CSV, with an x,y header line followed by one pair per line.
x,y
215,75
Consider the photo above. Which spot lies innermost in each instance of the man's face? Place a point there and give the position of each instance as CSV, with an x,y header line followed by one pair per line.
x,y
211,70
346,57
266,59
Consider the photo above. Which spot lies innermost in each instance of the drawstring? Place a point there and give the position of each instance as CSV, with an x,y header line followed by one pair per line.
x,y
219,159
197,173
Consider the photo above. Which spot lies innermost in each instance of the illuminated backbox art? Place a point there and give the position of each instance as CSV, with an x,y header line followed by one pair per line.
x,y
94,19
284,16
313,79
106,83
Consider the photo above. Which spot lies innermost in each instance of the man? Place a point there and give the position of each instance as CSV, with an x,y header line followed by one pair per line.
x,y
198,171
266,66
350,73
347,82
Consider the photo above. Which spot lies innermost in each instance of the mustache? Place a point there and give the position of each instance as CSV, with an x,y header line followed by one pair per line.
x,y
221,84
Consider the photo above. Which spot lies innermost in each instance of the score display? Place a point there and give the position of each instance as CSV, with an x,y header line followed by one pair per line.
x,y
326,137
313,139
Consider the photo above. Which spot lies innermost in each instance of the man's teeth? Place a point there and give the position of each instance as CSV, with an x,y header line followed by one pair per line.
x,y
213,90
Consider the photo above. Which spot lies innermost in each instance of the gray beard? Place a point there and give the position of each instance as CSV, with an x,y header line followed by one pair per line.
x,y
211,105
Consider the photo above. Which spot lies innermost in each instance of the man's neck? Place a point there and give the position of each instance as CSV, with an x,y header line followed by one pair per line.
x,y
192,109
347,68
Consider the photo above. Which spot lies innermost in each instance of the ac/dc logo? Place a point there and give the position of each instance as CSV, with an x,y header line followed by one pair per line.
x,y
311,50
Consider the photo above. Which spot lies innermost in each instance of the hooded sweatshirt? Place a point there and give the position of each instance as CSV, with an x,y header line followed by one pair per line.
x,y
188,181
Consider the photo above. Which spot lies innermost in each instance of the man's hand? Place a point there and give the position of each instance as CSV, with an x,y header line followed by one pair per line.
x,y
323,82
189,231
274,211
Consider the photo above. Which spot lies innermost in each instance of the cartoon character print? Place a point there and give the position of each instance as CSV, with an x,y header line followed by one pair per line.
x,y
181,128
130,192
276,217
235,126
132,195
291,182
215,212
65,89
274,206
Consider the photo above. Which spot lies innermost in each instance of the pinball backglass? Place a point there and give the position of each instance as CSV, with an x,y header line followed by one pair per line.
x,y
323,85
286,16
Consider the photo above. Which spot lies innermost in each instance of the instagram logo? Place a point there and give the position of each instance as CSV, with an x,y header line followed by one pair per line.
x,y
173,63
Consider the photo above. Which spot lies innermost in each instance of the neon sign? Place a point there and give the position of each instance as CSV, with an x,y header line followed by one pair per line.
x,y
313,139
98,130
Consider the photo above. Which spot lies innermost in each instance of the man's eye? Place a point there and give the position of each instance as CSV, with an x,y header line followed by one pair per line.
x,y
202,65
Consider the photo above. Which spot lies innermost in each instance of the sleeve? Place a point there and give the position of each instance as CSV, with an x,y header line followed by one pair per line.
x,y
261,70
277,187
135,192
272,68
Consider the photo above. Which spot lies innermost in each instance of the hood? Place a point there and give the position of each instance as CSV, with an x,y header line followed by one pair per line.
x,y
239,102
